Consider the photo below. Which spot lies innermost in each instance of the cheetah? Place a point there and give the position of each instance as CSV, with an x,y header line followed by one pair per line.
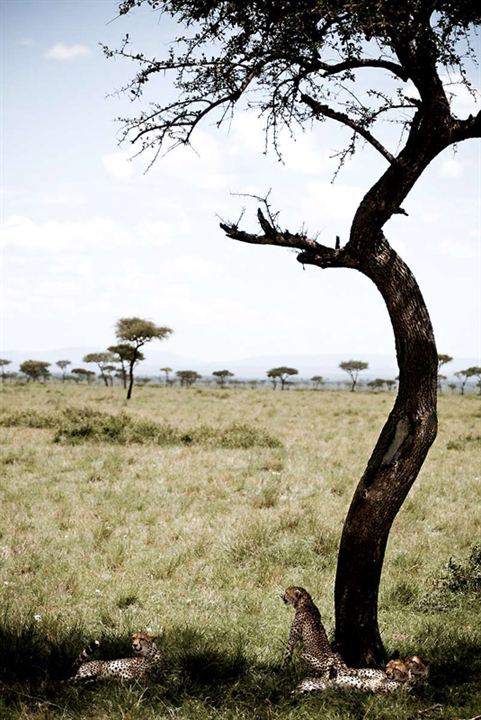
x,y
147,656
307,628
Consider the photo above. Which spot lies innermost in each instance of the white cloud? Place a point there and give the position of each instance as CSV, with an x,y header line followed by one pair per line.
x,y
118,165
23,235
62,52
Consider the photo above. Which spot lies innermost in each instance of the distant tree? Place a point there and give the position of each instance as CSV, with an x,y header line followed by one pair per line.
x,y
376,384
353,368
35,370
317,380
221,376
3,364
466,374
390,384
101,359
83,374
136,333
442,360
108,373
123,353
63,365
166,371
452,387
281,373
475,371
187,377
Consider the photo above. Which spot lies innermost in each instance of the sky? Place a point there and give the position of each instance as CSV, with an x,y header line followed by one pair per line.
x,y
88,236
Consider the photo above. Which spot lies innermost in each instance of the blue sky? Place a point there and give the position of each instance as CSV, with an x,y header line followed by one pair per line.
x,y
88,237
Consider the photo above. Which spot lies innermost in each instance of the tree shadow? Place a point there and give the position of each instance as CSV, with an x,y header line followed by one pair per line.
x,y
36,664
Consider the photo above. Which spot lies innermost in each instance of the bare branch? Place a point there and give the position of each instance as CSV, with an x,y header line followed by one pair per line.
x,y
321,109
356,64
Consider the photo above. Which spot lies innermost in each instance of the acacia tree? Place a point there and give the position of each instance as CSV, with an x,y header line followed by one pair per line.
x,y
166,371
187,378
122,353
221,376
103,360
35,370
135,333
464,376
318,380
281,373
63,365
297,63
3,365
353,368
442,360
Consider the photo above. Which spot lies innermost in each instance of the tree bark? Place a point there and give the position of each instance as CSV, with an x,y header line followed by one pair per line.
x,y
394,464
131,381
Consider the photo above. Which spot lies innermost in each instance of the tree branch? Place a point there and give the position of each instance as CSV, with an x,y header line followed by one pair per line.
x,y
313,253
392,67
321,109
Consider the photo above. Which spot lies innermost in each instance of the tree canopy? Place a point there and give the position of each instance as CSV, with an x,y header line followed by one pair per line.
x,y
134,333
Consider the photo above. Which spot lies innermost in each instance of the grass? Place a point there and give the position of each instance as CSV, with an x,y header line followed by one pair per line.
x,y
115,531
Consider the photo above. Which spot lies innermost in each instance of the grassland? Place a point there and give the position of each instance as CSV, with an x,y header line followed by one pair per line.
x,y
105,534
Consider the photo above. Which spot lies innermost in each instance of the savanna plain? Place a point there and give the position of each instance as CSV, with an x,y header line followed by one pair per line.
x,y
187,512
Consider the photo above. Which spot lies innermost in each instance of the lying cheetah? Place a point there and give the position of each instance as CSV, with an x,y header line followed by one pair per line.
x,y
317,652
147,656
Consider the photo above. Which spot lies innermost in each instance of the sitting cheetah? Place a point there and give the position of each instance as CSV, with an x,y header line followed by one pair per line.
x,y
317,652
147,656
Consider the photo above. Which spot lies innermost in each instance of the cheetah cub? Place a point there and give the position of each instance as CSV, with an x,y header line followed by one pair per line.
x,y
332,671
147,656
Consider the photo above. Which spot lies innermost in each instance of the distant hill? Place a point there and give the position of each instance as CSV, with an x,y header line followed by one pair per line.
x,y
383,366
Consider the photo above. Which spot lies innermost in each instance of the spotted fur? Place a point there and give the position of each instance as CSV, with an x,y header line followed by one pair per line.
x,y
147,656
307,628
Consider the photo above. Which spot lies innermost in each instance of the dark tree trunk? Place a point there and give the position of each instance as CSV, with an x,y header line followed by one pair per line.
x,y
394,463
131,381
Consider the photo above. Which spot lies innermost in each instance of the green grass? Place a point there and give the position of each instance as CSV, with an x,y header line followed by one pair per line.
x,y
118,529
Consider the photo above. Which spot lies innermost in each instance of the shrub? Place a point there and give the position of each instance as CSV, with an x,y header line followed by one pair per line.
x,y
86,425
27,418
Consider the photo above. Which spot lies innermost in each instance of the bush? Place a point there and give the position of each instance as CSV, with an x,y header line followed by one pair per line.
x,y
85,425
27,418
459,580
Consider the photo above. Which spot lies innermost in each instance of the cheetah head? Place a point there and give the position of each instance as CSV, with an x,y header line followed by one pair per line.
x,y
142,643
417,667
295,596
397,670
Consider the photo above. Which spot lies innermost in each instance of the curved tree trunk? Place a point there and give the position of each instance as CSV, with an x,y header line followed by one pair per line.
x,y
394,464
131,381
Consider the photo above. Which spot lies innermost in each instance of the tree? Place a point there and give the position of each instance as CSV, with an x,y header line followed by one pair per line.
x,y
466,374
297,63
166,371
442,360
390,384
221,376
82,373
136,332
101,359
122,354
376,384
281,373
3,364
35,370
318,380
63,365
473,371
187,377
353,368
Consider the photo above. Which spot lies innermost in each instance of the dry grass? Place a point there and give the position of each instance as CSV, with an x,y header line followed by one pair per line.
x,y
99,539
